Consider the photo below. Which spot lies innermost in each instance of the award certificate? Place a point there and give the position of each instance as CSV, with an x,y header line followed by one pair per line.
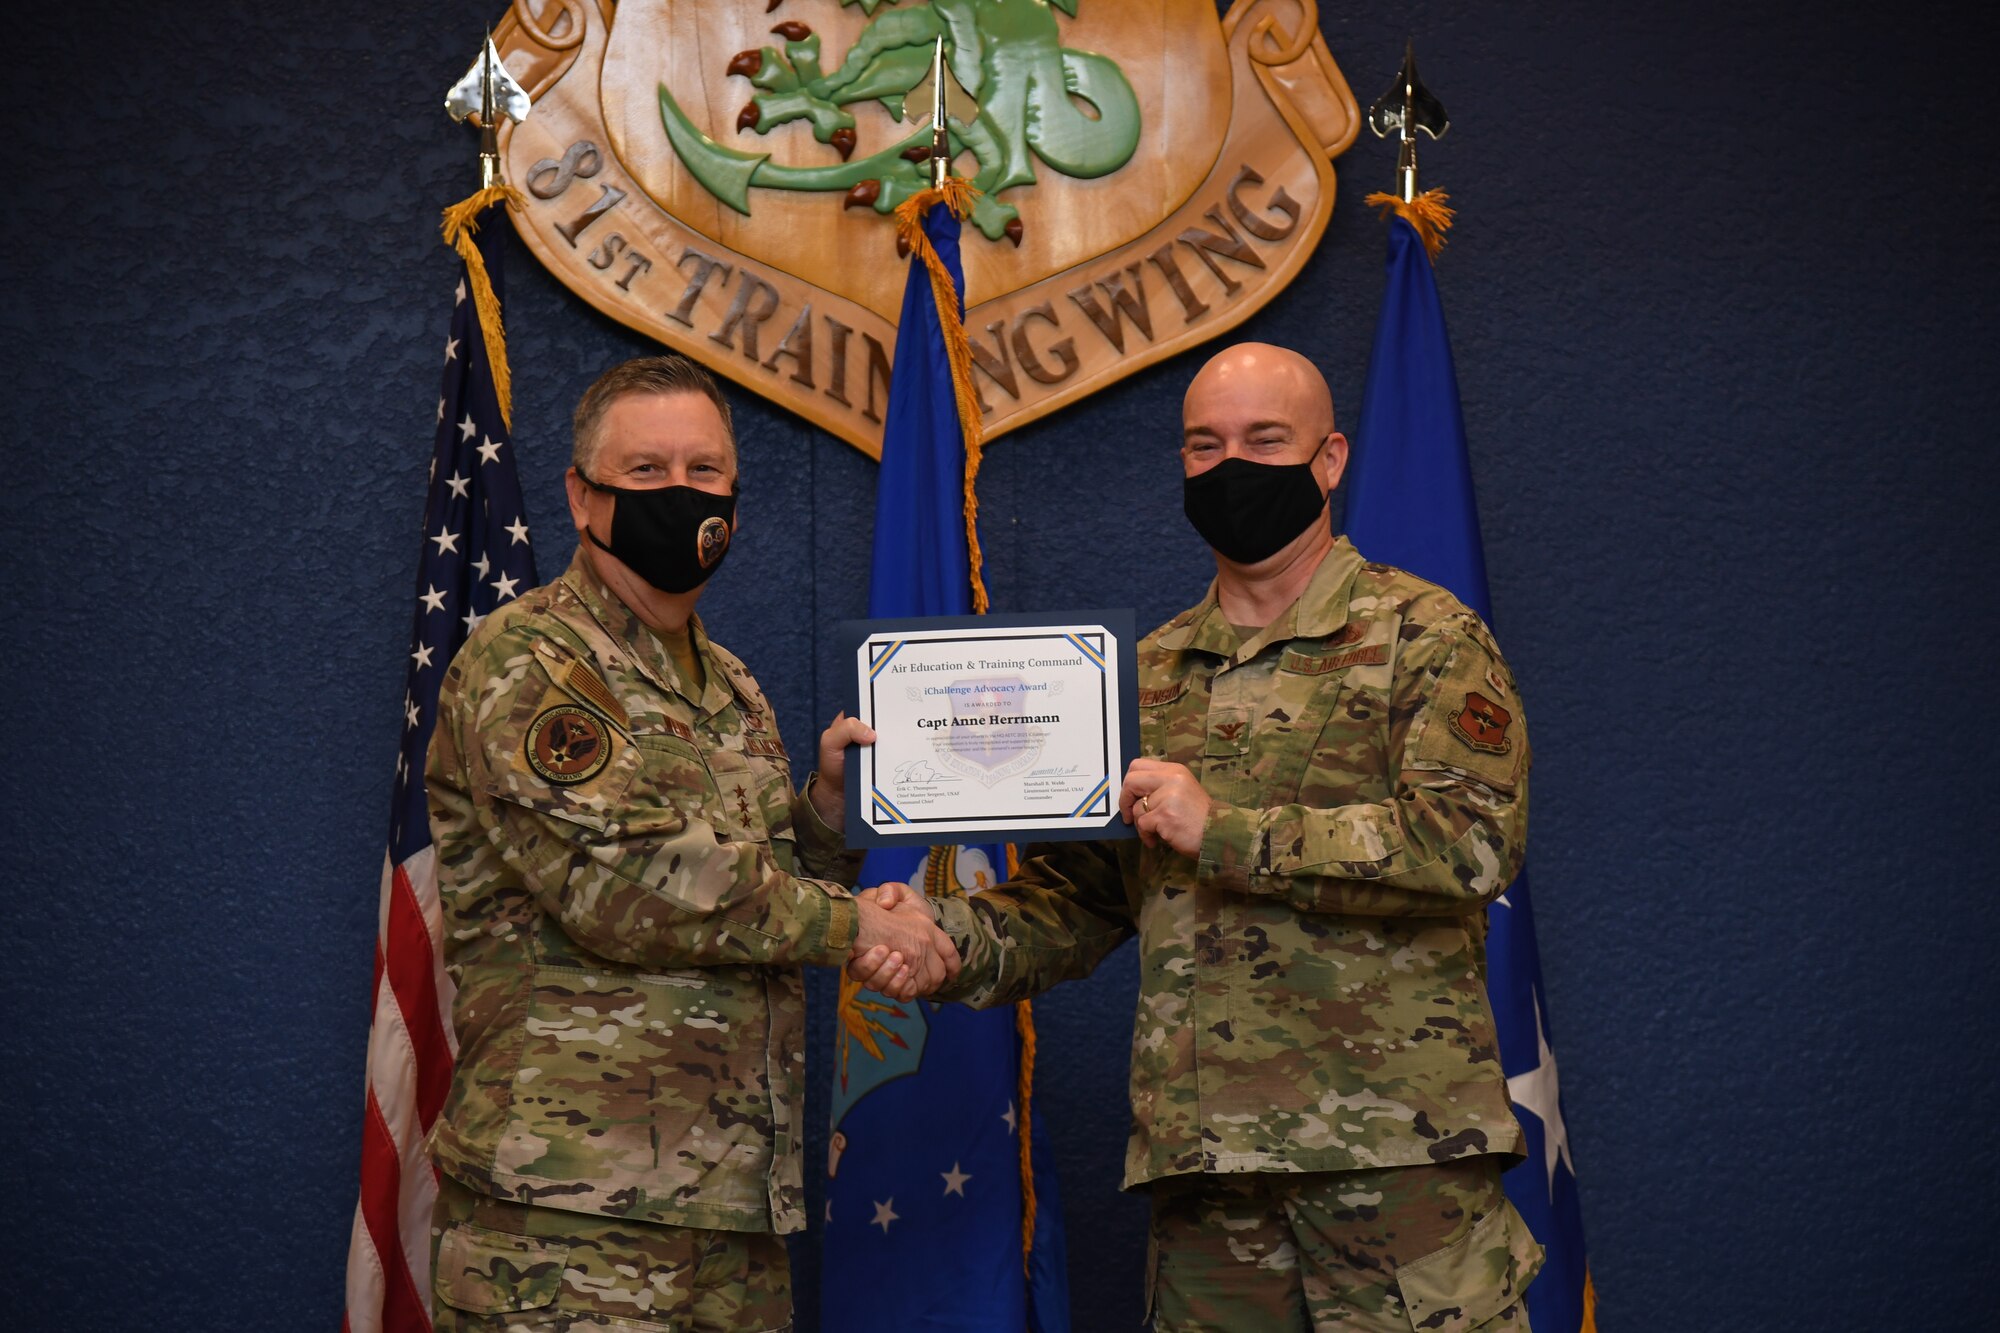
x,y
991,728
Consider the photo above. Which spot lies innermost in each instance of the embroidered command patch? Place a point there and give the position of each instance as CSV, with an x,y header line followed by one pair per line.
x,y
567,745
1483,724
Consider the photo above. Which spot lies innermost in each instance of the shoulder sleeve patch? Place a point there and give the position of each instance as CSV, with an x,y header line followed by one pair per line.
x,y
1473,720
567,745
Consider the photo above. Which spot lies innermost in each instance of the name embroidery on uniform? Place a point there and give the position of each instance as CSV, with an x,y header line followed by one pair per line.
x,y
1159,694
1483,724
1305,664
678,728
567,745
765,746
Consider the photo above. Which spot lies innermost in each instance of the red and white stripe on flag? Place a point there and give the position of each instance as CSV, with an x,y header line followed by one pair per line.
x,y
410,1053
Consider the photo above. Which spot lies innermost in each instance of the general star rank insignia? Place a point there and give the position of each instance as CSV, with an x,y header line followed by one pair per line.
x,y
1483,724
567,745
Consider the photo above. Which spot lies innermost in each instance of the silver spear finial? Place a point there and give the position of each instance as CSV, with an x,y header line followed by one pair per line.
x,y
488,91
1407,107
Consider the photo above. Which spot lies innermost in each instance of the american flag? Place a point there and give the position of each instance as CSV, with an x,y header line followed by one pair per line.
x,y
475,556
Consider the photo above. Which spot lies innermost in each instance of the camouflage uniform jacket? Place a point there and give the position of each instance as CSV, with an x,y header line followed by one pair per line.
x,y
1312,991
620,858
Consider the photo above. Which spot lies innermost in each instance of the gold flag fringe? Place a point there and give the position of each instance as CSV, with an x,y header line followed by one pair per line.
x,y
956,194
461,220
1024,1027
1427,213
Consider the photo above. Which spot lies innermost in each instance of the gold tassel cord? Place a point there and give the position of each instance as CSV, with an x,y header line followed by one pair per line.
x,y
461,220
1024,1028
1427,213
957,195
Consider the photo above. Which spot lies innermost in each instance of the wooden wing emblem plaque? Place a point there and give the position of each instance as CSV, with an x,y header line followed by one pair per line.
x,y
721,175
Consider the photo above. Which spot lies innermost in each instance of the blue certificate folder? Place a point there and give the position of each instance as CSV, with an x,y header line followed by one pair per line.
x,y
872,814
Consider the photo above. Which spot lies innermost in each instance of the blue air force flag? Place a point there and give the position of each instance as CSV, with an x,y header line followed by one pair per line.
x,y
1410,504
923,1227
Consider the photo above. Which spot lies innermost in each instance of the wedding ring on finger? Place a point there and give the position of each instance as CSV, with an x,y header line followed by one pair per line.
x,y
1145,803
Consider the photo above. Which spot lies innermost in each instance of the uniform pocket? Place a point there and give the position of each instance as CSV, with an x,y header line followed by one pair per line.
x,y
1477,1276
481,1271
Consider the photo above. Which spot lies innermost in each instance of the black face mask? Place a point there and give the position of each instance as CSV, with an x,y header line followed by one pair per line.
x,y
1251,511
673,537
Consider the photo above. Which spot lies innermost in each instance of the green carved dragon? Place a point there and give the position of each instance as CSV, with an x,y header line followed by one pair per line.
x,y
1008,54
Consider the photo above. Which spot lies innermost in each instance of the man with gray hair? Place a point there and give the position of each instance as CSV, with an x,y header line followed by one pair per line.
x,y
630,884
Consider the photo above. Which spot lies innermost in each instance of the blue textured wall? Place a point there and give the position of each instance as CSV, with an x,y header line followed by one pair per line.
x,y
1726,347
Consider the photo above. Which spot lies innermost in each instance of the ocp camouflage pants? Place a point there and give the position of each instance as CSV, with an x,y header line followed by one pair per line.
x,y
504,1267
1436,1248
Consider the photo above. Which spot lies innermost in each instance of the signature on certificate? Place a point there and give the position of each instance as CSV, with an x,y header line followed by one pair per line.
x,y
917,771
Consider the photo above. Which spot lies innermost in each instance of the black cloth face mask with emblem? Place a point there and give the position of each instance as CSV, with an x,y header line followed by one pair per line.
x,y
674,537
1250,511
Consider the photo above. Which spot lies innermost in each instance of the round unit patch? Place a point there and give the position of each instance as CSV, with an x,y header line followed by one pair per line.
x,y
568,745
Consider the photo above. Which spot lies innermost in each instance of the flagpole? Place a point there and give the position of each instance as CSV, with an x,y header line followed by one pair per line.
x,y
475,556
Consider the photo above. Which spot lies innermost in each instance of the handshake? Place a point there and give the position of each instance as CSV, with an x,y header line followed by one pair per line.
x,y
898,948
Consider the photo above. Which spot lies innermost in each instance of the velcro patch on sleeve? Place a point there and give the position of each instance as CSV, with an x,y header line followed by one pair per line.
x,y
588,686
567,745
1473,719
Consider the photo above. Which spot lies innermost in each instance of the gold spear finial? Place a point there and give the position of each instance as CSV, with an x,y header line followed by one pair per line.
x,y
486,93
1407,107
940,125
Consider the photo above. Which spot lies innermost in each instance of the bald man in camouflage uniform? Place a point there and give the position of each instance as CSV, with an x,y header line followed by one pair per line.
x,y
1333,787
630,884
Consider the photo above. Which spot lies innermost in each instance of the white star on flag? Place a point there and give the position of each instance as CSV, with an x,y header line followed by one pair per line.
x,y
440,416
422,657
432,599
1537,1092
954,1180
471,619
483,565
467,428
885,1213
410,710
518,530
461,293
504,586
458,485
451,349
1009,1118
489,450
447,540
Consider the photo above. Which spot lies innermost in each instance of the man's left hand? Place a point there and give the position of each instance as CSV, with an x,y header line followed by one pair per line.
x,y
829,794
1166,804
